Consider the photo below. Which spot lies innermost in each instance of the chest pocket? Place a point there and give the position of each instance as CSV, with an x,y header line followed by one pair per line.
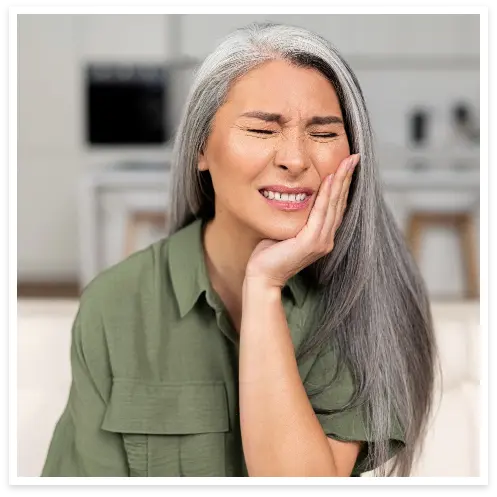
x,y
170,429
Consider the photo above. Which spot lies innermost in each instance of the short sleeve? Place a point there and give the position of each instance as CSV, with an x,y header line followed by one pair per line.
x,y
349,425
79,447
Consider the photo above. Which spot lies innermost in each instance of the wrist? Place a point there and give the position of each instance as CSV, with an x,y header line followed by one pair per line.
x,y
258,285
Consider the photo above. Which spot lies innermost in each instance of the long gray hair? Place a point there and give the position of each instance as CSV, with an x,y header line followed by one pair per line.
x,y
375,309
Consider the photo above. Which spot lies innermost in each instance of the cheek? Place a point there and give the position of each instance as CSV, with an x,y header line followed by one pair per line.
x,y
245,154
327,158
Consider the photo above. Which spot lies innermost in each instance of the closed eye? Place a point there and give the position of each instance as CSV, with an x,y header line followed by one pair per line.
x,y
264,131
268,132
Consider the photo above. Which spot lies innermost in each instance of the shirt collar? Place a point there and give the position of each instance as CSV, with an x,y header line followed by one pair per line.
x,y
189,274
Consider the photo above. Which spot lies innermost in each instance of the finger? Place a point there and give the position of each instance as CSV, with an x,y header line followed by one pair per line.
x,y
336,193
316,218
339,214
342,202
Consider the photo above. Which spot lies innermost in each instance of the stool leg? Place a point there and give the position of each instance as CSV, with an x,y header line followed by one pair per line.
x,y
159,221
130,242
414,235
468,248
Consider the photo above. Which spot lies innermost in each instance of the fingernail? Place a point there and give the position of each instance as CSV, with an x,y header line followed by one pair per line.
x,y
330,178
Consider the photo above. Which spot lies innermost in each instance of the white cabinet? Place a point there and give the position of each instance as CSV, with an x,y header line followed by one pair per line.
x,y
115,207
124,37
107,199
412,35
48,88
353,35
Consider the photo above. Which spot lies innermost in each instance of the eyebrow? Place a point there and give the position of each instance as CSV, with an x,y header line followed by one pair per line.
x,y
273,117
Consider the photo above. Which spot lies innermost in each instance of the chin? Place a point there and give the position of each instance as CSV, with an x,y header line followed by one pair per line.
x,y
278,230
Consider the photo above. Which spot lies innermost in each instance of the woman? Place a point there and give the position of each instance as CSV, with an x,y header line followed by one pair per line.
x,y
266,335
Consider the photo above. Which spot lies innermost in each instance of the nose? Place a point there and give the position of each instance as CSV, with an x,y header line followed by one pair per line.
x,y
291,153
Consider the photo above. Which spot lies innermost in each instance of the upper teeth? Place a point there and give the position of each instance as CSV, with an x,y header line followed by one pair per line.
x,y
292,197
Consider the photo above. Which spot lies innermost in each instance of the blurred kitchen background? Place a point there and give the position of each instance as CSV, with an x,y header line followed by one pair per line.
x,y
99,99
100,96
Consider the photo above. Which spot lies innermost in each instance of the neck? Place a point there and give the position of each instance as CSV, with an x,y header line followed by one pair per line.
x,y
228,247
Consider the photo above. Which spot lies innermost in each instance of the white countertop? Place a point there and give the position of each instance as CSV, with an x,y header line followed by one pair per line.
x,y
431,179
155,177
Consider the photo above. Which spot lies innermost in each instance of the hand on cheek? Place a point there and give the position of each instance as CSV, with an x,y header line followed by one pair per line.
x,y
274,262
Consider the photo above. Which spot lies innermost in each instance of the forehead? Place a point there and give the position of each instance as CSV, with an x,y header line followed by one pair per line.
x,y
279,84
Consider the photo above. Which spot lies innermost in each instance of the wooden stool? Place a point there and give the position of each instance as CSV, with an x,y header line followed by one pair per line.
x,y
464,224
157,219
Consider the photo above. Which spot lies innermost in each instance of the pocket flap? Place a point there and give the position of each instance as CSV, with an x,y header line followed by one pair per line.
x,y
166,408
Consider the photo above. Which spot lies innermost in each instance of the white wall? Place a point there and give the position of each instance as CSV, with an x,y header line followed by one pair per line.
x,y
400,61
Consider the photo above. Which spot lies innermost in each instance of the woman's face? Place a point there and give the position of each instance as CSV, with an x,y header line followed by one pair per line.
x,y
245,153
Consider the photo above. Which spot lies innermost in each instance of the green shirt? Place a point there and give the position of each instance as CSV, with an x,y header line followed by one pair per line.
x,y
154,359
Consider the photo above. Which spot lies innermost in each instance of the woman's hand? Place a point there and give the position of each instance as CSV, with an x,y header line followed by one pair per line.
x,y
274,262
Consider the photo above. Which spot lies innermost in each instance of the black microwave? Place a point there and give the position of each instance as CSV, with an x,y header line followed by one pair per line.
x,y
135,104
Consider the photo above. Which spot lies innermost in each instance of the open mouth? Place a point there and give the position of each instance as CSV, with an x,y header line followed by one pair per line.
x,y
286,202
284,197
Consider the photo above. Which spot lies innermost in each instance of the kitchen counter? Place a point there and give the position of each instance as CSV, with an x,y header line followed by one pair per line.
x,y
108,195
